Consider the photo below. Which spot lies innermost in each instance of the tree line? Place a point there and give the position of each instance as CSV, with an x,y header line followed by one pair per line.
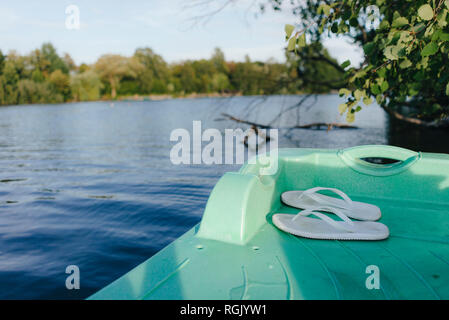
x,y
44,76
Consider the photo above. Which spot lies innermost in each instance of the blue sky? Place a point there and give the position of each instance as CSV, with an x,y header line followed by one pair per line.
x,y
118,26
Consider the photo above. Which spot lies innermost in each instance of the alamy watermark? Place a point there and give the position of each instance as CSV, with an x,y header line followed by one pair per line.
x,y
72,21
373,280
256,146
73,280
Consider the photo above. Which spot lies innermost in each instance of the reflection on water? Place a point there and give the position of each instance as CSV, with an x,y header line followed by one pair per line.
x,y
92,185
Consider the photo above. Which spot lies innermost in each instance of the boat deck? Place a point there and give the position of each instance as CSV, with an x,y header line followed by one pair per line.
x,y
413,263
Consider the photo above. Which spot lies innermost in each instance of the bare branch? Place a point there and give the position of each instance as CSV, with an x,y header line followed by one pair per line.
x,y
315,125
203,5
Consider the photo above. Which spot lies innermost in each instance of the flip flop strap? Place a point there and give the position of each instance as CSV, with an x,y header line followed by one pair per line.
x,y
347,225
311,193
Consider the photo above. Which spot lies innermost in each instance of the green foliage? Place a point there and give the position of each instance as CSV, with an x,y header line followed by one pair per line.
x,y
289,30
112,68
43,76
220,82
155,73
86,86
315,70
406,53
83,68
34,92
37,76
2,61
425,12
252,78
2,91
218,61
55,62
60,83
11,72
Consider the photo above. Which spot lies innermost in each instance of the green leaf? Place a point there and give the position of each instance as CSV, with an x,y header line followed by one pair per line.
x,y
436,107
334,27
347,14
413,92
358,108
441,18
425,12
420,65
345,64
447,89
384,25
418,28
344,92
375,89
343,27
379,98
384,86
430,49
367,101
436,35
291,44
382,72
396,15
405,64
288,30
391,52
368,48
324,8
358,94
429,31
302,40
342,108
444,36
353,22
350,116
399,22
405,37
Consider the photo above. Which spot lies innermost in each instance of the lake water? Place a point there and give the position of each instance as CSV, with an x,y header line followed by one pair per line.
x,y
92,185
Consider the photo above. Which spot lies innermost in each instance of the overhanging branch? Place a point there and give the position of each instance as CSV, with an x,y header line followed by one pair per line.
x,y
315,125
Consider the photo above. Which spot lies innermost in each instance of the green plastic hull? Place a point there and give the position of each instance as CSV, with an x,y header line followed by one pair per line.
x,y
237,253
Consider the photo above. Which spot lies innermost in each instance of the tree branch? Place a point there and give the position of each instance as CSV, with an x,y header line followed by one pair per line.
x,y
315,125
325,59
443,123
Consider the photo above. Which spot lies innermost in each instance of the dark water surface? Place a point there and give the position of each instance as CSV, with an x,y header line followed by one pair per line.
x,y
92,185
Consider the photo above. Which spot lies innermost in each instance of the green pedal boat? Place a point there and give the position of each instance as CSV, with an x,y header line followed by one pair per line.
x,y
236,252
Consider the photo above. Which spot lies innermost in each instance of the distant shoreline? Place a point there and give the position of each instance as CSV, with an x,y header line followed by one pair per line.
x,y
162,97
157,97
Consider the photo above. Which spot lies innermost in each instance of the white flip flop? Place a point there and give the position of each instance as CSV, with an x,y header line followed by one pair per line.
x,y
328,228
310,198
